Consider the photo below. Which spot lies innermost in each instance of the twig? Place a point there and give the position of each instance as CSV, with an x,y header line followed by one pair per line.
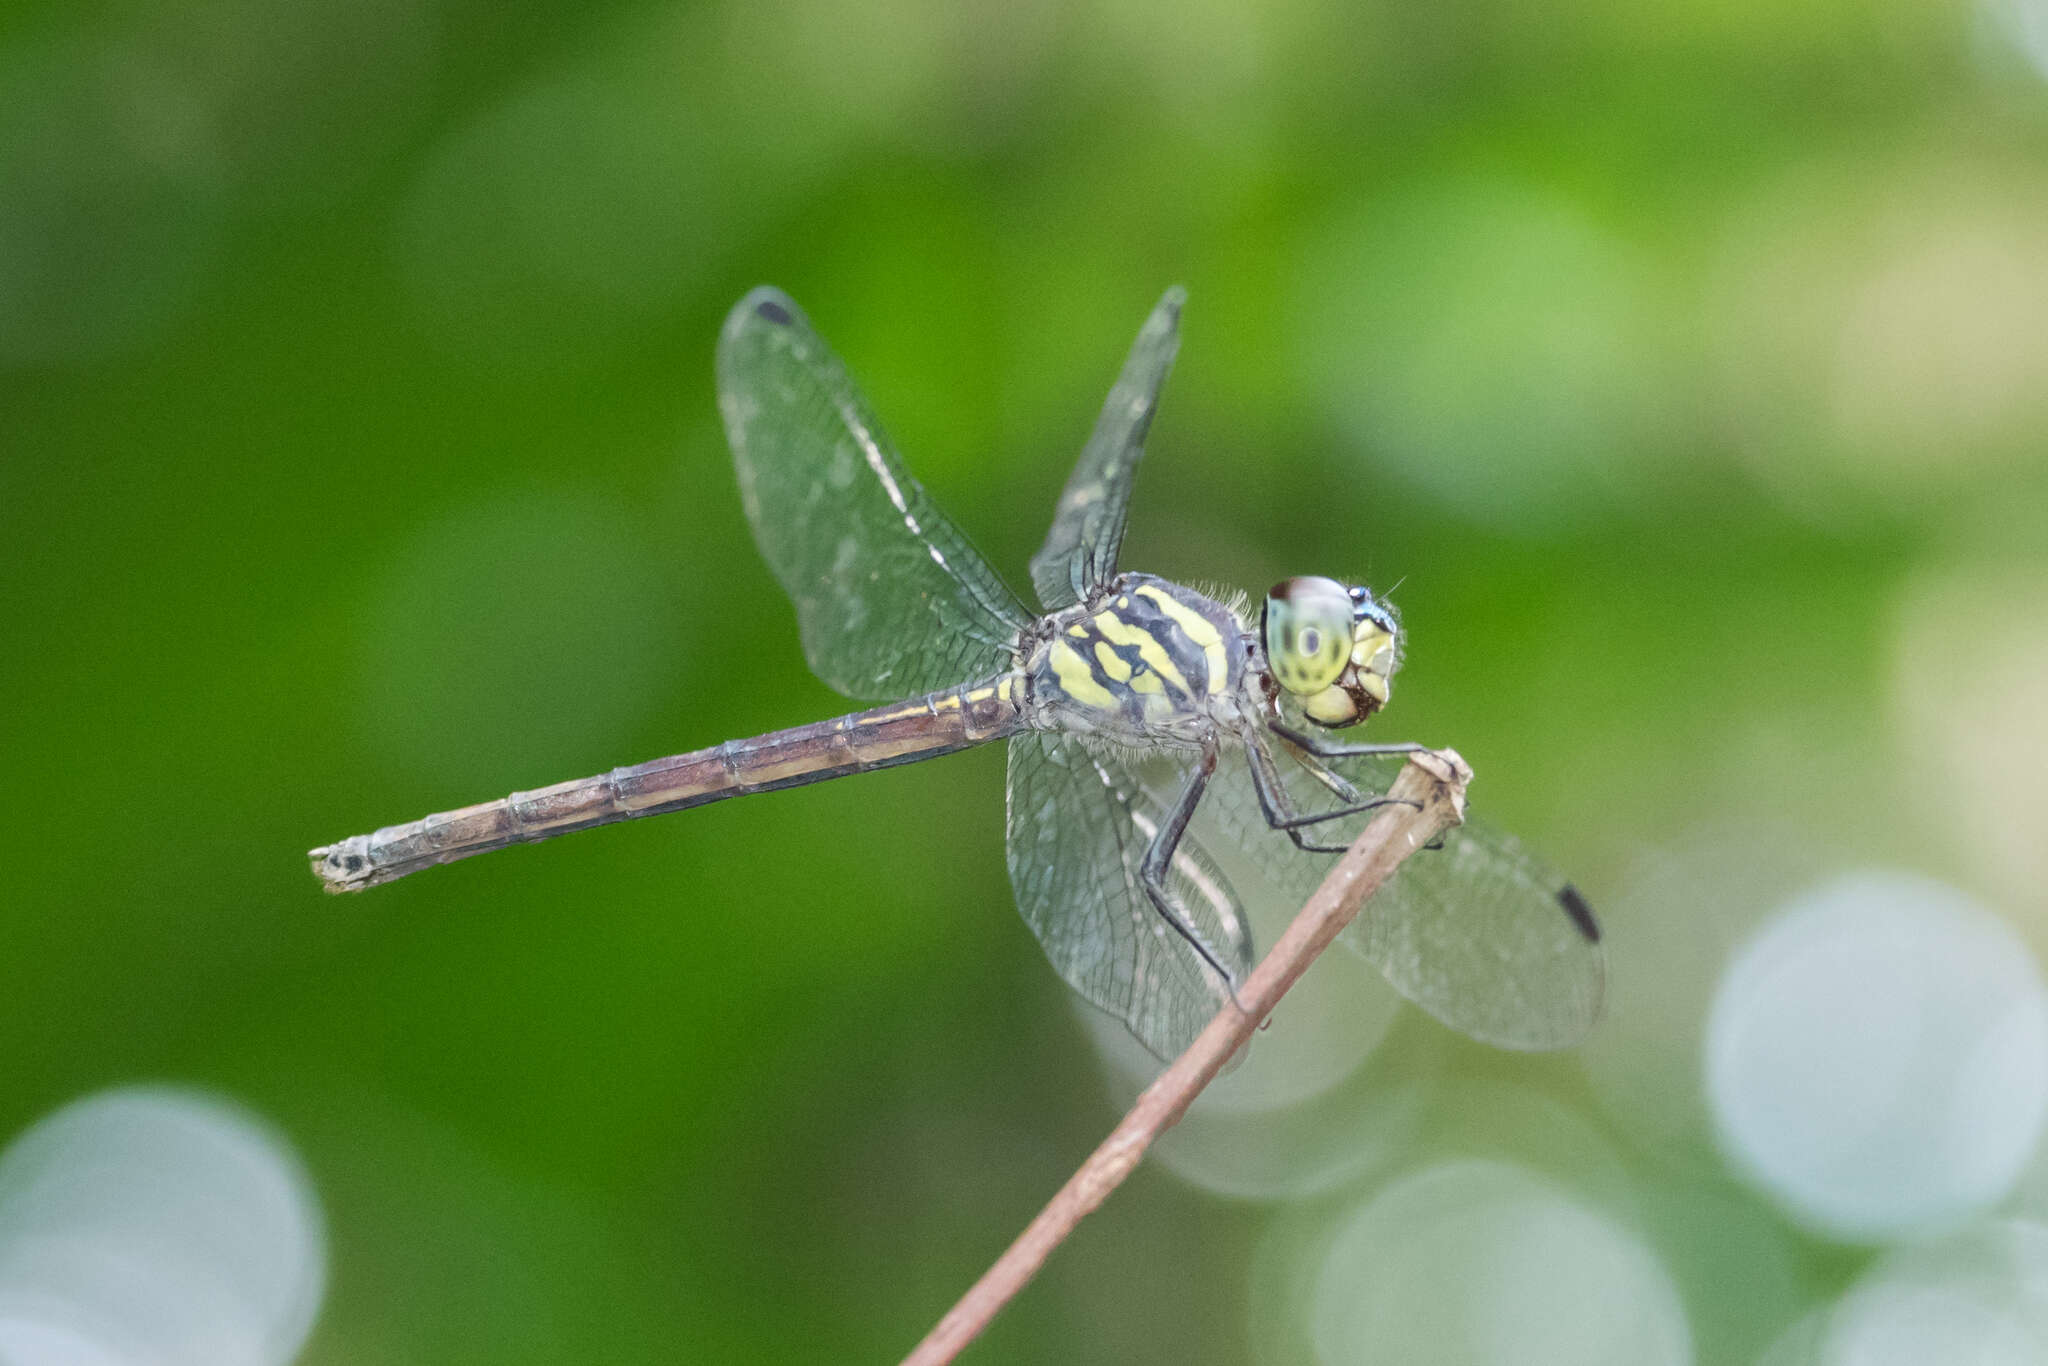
x,y
1435,782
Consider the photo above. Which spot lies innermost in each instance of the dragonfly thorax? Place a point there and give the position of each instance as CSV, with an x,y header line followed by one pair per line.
x,y
1144,660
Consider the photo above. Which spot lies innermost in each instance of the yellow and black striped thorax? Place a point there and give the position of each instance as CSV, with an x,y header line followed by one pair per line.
x,y
1146,654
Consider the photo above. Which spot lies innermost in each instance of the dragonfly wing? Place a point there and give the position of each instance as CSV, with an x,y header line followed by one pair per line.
x,y
1079,553
1080,821
1480,932
890,598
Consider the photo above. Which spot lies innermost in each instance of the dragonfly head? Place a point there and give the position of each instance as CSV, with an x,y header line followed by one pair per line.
x,y
1333,648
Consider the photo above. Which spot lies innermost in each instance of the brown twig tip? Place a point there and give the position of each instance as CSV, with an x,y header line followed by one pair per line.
x,y
1430,798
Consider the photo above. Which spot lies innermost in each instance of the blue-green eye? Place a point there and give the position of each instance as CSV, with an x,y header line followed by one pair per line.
x,y
1308,633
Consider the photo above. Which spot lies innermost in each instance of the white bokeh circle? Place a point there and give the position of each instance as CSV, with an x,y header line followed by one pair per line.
x,y
1979,1296
153,1227
1479,1263
1877,1057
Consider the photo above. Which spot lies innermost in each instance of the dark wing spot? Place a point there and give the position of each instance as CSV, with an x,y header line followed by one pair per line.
x,y
773,312
1582,914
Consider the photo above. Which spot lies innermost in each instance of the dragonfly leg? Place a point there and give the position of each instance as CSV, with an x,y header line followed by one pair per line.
x,y
1279,809
1325,775
1159,858
1324,749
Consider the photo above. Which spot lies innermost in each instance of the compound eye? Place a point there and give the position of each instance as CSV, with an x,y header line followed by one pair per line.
x,y
1308,633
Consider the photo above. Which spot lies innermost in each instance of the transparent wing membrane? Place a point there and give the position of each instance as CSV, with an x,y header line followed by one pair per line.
x,y
1080,551
890,597
1478,932
1080,821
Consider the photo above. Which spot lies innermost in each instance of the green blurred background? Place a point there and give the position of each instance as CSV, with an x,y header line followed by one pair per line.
x,y
359,457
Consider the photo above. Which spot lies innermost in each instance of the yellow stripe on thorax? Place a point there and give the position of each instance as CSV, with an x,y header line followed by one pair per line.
x,y
1200,630
1145,684
1077,679
1117,631
1112,662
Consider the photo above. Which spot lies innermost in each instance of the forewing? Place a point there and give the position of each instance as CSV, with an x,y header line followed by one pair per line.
x,y
1480,932
1080,821
890,597
1080,551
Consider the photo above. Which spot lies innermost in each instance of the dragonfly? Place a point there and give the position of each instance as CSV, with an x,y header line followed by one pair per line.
x,y
1130,704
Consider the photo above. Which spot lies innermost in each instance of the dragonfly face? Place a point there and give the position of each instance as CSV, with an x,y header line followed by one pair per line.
x,y
1130,705
1333,648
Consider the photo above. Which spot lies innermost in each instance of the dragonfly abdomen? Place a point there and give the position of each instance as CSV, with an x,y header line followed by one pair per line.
x,y
899,733
921,728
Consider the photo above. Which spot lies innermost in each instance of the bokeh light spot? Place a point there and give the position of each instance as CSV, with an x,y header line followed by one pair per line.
x,y
156,1228
1877,1057
1480,1264
1979,1296
2021,25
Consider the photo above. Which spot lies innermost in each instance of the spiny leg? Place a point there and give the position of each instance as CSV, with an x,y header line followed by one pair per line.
x,y
1278,808
1159,858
